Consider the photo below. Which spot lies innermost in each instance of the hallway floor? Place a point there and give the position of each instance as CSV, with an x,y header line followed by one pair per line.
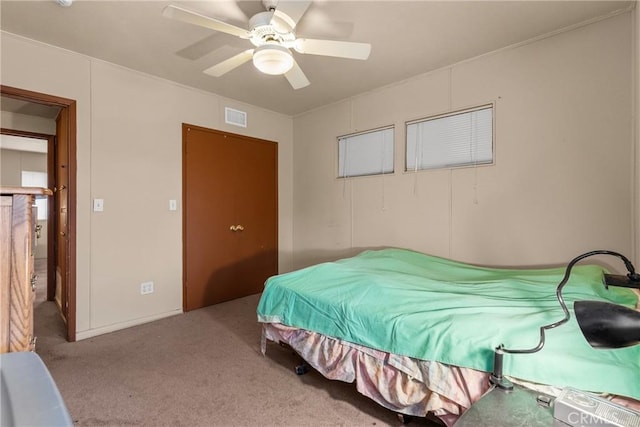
x,y
49,327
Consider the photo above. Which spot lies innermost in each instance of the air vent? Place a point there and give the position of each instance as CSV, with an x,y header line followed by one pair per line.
x,y
235,117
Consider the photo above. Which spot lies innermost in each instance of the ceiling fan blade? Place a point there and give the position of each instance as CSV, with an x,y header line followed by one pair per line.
x,y
292,10
192,17
229,64
296,77
339,49
203,47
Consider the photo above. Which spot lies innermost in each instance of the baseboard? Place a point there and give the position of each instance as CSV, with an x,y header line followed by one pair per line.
x,y
90,333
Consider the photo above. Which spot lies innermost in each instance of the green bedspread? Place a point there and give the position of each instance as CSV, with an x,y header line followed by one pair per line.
x,y
433,308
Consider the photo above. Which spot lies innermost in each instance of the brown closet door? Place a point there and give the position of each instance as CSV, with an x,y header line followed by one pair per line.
x,y
230,215
255,212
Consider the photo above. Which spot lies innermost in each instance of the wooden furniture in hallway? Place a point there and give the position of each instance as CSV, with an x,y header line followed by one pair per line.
x,y
17,277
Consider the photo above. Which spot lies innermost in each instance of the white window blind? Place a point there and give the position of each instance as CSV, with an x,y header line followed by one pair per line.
x,y
458,139
37,179
367,153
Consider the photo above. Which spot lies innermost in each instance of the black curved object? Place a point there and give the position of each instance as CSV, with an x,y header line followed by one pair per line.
x,y
607,325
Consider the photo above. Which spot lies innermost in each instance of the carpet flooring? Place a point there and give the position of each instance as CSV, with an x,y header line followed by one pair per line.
x,y
201,368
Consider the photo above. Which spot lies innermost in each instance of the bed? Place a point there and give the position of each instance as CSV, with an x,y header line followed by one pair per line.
x,y
416,333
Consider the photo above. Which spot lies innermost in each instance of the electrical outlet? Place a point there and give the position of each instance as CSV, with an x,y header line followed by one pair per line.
x,y
146,288
98,205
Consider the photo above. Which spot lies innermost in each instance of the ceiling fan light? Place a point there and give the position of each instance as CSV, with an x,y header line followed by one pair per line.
x,y
272,59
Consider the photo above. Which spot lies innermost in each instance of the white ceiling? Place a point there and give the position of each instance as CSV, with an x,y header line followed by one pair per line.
x,y
408,38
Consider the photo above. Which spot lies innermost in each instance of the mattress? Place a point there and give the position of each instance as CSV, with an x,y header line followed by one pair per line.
x,y
427,308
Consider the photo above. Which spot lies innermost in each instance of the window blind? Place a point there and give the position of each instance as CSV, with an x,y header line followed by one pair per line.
x,y
459,139
367,153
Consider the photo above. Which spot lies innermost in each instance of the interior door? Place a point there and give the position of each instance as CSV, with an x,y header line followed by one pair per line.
x,y
61,203
255,213
230,215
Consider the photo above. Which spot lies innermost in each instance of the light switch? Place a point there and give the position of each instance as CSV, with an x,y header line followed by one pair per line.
x,y
173,205
98,205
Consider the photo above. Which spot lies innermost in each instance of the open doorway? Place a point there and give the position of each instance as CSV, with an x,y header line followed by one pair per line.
x,y
59,226
26,160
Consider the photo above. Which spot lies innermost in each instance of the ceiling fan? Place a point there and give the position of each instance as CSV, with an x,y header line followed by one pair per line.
x,y
272,34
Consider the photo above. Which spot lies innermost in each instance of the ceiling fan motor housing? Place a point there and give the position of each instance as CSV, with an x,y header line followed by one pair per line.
x,y
266,28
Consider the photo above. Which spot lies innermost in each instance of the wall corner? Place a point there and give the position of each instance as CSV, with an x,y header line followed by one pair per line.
x,y
636,133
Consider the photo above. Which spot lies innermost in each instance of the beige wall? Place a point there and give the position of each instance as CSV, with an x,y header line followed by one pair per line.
x,y
636,104
562,178
129,154
12,163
